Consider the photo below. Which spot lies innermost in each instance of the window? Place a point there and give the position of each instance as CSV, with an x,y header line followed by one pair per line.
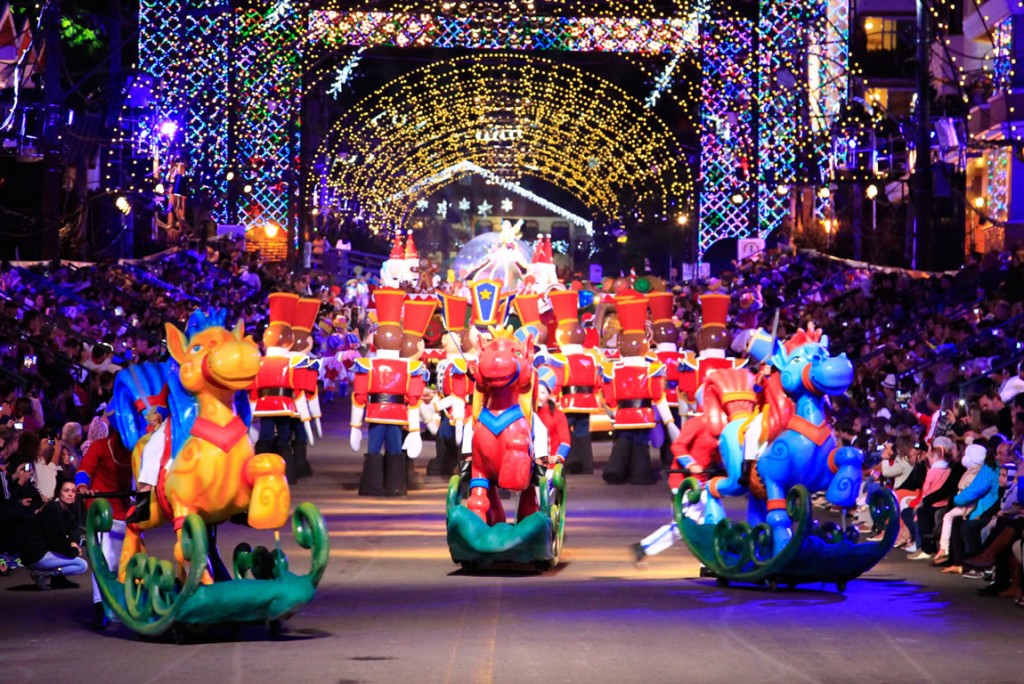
x,y
880,34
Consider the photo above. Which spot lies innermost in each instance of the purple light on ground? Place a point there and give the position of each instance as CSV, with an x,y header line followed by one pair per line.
x,y
168,128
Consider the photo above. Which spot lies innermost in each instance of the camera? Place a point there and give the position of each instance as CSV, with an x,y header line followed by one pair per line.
x,y
903,399
30,360
19,425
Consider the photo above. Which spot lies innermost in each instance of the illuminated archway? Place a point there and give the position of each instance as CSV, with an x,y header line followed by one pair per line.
x,y
515,116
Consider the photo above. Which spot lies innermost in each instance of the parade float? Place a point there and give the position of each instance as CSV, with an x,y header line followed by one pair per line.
x,y
209,475
776,448
503,456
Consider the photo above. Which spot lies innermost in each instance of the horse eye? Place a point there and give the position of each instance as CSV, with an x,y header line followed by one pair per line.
x,y
197,348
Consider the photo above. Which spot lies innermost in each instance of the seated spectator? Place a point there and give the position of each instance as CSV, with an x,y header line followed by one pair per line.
x,y
933,506
51,545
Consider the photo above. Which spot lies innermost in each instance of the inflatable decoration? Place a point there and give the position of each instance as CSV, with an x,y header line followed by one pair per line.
x,y
494,256
502,456
211,475
776,447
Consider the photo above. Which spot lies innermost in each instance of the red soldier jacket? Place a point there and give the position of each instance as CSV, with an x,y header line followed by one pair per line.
x,y
579,380
558,430
694,445
274,388
633,391
672,360
107,469
455,381
388,388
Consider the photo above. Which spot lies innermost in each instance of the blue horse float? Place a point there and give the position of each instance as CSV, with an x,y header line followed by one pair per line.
x,y
795,455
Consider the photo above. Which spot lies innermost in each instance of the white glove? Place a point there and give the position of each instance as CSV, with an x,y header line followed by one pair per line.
x,y
413,444
459,427
355,439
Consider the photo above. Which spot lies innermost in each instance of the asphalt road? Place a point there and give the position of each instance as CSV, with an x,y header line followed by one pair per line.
x,y
393,608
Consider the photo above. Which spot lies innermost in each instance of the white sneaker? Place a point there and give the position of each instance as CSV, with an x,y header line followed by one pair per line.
x,y
922,556
911,548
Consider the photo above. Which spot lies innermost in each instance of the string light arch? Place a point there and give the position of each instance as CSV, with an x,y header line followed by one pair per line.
x,y
517,116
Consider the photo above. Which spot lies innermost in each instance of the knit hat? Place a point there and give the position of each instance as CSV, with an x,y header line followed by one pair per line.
x,y
974,455
1010,468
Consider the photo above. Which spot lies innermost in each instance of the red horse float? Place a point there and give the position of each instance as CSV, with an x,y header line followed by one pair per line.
x,y
503,457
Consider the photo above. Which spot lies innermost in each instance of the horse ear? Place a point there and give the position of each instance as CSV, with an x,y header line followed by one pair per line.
x,y
779,358
239,331
175,342
824,342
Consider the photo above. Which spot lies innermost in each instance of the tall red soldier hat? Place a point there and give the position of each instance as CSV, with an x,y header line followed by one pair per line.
x,y
397,251
632,312
282,307
453,311
410,248
418,313
566,305
389,305
528,309
661,306
714,309
305,314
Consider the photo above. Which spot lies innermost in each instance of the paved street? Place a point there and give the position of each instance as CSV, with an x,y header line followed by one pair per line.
x,y
393,608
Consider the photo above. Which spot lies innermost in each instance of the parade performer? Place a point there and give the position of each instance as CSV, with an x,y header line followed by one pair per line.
x,y
633,388
552,417
387,394
578,371
274,386
305,377
416,317
107,467
665,334
454,385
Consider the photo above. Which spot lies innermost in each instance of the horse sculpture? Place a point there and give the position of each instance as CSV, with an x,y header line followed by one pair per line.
x,y
503,456
795,453
502,444
213,470
209,474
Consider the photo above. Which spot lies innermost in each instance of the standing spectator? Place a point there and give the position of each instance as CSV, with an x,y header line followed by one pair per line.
x,y
51,544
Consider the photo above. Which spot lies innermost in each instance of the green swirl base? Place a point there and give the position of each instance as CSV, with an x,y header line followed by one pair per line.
x,y
735,551
152,600
535,539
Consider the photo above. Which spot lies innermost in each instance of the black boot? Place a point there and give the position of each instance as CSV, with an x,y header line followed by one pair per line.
x,y
438,466
302,467
371,483
618,463
395,470
140,511
263,446
290,471
586,454
414,480
640,470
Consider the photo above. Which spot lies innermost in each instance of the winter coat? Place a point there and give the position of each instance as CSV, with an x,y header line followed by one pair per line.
x,y
983,492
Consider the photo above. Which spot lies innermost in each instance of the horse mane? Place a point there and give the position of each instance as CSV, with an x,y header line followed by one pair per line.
x,y
135,382
777,406
184,409
717,388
